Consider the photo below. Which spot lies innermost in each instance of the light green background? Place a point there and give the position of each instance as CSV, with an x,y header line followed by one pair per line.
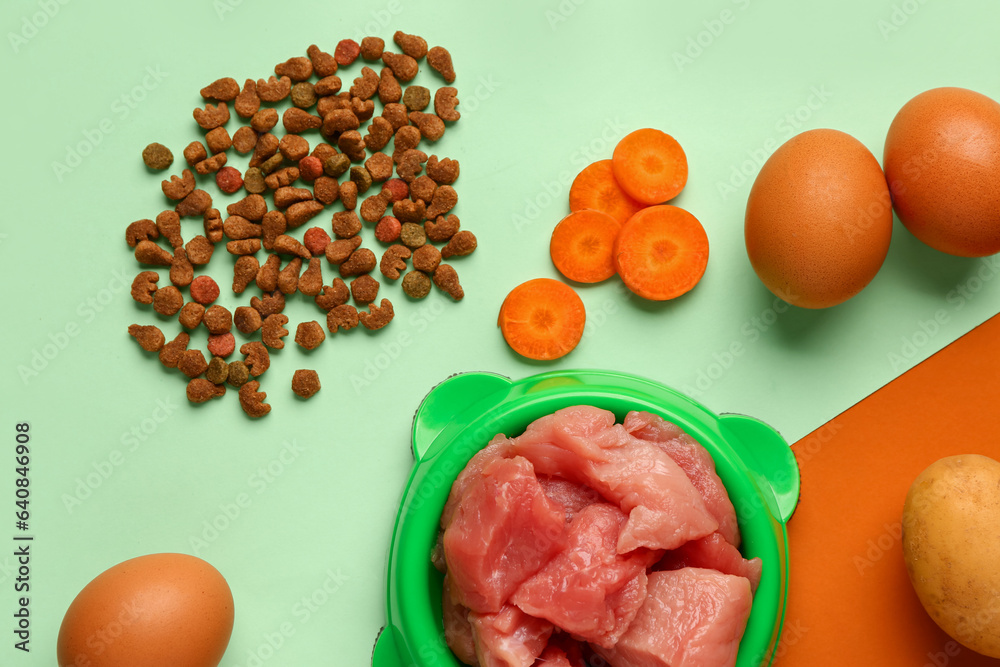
x,y
545,87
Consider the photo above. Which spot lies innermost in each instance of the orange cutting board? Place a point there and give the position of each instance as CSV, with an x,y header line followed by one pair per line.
x,y
850,599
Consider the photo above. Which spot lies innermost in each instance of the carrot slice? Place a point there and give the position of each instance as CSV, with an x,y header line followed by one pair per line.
x,y
661,252
650,166
542,319
583,244
596,188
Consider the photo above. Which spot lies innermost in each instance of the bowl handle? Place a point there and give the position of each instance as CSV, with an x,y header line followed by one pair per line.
x,y
769,455
384,654
447,401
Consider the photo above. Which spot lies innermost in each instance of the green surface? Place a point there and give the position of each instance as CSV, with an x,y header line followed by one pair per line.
x,y
754,463
541,97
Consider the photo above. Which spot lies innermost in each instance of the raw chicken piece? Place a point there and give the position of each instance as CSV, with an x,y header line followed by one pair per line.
x,y
572,496
499,448
589,590
584,445
696,463
691,618
503,531
509,638
458,628
714,553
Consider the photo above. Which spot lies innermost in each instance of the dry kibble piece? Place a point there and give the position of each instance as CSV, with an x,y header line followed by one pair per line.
x,y
218,140
282,178
363,109
221,90
397,115
251,207
218,370
362,179
179,187
311,281
296,120
336,165
409,211
461,244
365,85
431,127
286,245
378,316
352,144
340,120
380,131
373,208
288,195
253,181
217,319
273,330
200,390
316,240
310,168
388,229
393,261
338,251
256,357
426,258
396,189
244,272
327,104
238,373
149,252
194,204
157,156
410,164
172,352
407,138
378,167
168,224
443,228
221,345
263,151
346,52
440,61
416,98
191,314
243,247
167,300
274,89
181,270
328,85
349,195
268,304
194,153
212,117
389,89
342,317
252,401
323,63
199,250
229,180
445,101
333,295
423,188
446,278
402,65
263,121
364,289
288,278
150,338
213,225
305,383
303,95
326,190
444,172
141,230
361,261
143,286
372,48
293,147
445,198
192,363
309,335
247,320
204,290
211,165
273,225
298,68
247,103
412,45
416,284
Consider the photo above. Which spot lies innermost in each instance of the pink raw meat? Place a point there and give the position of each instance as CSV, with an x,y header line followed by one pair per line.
x,y
583,444
553,656
509,638
499,448
715,553
458,628
696,463
589,589
503,531
691,618
572,496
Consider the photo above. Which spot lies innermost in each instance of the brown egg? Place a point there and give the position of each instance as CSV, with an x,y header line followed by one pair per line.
x,y
942,162
818,219
160,610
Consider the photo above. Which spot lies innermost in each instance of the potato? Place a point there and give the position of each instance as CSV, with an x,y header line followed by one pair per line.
x,y
951,543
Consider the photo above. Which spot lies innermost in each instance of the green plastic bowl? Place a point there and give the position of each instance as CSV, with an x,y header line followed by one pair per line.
x,y
462,414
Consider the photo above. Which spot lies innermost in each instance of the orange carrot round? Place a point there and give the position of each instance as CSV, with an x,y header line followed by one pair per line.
x,y
596,188
542,319
650,166
661,252
582,246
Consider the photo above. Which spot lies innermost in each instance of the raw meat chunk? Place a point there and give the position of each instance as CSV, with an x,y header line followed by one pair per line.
x,y
715,553
572,496
498,448
458,628
509,638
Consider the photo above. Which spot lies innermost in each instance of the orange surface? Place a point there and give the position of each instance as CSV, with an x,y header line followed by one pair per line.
x,y
850,600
